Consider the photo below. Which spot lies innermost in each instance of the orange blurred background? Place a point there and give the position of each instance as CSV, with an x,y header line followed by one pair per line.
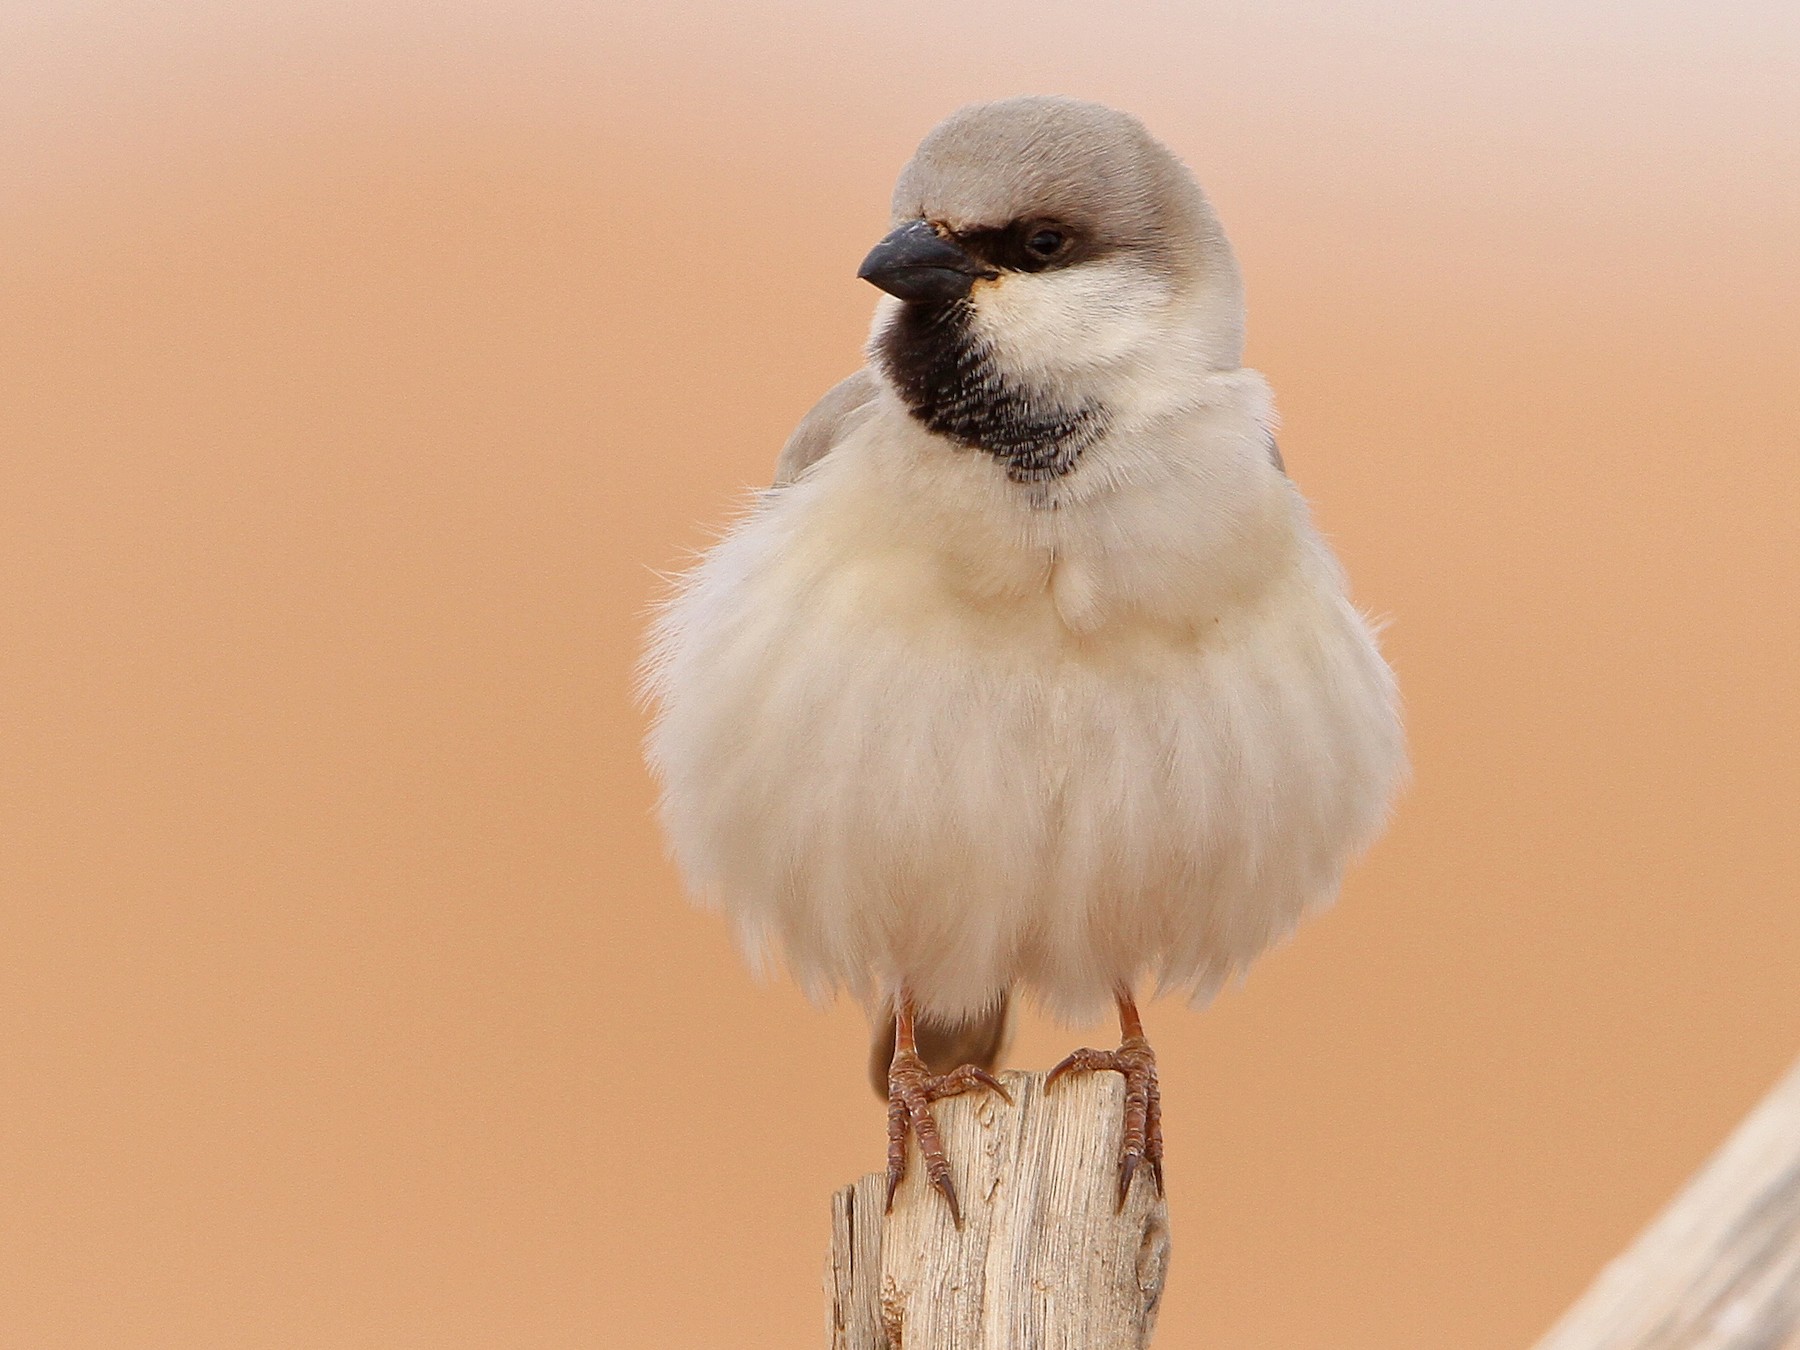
x,y
361,363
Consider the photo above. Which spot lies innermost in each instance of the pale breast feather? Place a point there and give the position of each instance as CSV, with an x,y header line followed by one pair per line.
x,y
858,742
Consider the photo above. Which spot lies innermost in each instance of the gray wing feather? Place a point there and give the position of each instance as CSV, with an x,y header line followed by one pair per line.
x,y
824,426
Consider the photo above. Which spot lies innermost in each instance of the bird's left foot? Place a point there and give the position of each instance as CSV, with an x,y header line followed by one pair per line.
x,y
1143,1104
912,1087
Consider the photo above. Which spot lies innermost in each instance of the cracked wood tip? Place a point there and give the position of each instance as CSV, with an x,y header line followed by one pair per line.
x,y
1045,1258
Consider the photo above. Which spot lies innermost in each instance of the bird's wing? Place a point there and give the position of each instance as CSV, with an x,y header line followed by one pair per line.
x,y
1275,455
825,425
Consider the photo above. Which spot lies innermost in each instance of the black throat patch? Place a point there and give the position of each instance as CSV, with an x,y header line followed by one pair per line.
x,y
949,381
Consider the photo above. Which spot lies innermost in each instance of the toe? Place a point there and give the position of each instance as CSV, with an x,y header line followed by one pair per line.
x,y
969,1077
1082,1061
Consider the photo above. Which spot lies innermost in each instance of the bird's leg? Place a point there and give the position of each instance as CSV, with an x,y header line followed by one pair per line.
x,y
1143,1100
912,1087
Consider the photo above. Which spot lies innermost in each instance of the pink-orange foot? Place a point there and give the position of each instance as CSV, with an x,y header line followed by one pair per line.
x,y
1143,1104
912,1087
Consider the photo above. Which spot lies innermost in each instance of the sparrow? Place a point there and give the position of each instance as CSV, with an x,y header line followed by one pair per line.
x,y
1030,675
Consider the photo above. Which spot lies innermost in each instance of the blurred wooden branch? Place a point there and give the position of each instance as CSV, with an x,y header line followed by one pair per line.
x,y
1720,1269
1045,1259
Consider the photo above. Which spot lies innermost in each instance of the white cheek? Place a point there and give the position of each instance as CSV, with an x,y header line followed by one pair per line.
x,y
1079,319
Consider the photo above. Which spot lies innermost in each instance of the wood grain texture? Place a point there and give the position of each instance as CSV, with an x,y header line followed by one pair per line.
x,y
1720,1268
1045,1259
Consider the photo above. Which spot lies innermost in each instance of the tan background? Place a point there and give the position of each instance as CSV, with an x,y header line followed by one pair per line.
x,y
360,363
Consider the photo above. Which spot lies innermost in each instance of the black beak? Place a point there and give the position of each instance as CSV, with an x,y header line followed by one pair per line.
x,y
916,263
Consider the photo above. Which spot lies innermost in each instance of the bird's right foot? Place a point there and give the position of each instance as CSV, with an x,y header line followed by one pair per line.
x,y
1142,1140
912,1087
1143,1099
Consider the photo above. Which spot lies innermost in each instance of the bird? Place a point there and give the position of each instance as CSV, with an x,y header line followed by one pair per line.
x,y
1029,677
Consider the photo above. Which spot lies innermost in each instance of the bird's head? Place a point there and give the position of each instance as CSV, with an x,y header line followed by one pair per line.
x,y
1055,272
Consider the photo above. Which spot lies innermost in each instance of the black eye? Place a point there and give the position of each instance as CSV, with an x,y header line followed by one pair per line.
x,y
1044,243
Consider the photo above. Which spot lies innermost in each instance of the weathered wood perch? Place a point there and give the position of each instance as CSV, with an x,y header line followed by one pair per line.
x,y
1045,1259
1720,1269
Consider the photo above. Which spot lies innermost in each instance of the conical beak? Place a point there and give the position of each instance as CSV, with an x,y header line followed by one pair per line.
x,y
920,265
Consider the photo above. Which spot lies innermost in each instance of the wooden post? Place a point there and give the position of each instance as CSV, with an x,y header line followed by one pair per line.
x,y
1045,1259
1720,1269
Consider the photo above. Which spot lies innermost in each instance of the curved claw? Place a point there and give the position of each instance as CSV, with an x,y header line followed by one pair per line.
x,y
987,1080
1128,1166
1079,1059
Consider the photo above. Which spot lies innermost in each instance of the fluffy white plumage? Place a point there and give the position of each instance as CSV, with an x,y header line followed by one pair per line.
x,y
920,723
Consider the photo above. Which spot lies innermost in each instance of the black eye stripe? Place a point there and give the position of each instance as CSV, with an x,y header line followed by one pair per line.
x,y
1017,247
